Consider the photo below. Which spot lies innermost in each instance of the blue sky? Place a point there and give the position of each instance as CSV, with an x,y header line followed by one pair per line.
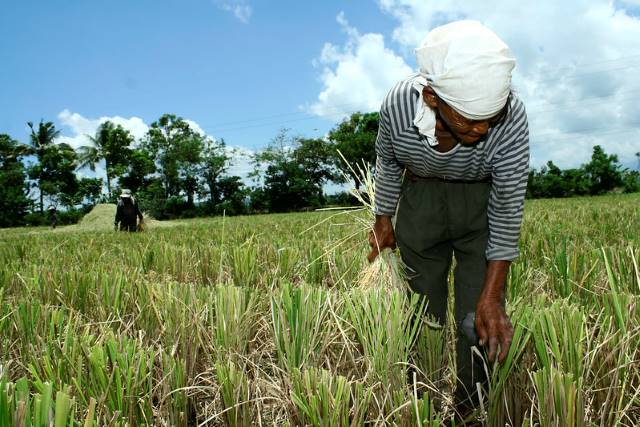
x,y
243,69
146,58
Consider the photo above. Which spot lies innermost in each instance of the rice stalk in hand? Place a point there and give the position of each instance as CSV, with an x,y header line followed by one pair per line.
x,y
387,271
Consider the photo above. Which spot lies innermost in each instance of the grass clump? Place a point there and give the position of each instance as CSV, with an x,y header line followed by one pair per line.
x,y
323,399
148,329
299,317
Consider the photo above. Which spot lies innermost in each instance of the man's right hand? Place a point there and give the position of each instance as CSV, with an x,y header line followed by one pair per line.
x,y
381,236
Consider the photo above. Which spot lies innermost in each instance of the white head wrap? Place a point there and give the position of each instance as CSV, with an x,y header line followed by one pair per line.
x,y
469,67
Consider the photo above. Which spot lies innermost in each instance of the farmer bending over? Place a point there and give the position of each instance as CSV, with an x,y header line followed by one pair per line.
x,y
127,213
461,137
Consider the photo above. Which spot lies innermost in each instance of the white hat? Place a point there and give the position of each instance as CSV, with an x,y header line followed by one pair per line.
x,y
125,193
469,67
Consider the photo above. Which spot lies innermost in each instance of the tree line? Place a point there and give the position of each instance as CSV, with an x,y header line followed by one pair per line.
x,y
602,174
176,172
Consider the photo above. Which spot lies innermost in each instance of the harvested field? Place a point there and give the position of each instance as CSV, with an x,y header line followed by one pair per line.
x,y
247,321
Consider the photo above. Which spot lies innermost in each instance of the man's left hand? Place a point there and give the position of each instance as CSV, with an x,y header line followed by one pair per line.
x,y
494,327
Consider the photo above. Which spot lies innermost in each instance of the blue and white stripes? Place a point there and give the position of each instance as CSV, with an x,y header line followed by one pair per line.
x,y
503,154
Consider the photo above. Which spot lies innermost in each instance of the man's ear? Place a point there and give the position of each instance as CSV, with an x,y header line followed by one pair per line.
x,y
429,97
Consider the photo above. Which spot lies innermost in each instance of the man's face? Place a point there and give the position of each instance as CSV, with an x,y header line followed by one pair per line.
x,y
466,131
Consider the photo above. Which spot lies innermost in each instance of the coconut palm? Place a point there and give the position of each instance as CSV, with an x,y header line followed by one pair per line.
x,y
39,142
111,144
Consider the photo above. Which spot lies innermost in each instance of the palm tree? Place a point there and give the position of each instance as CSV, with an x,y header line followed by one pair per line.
x,y
110,144
39,142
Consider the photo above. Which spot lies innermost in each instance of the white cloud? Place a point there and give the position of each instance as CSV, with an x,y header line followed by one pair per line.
x,y
240,162
356,76
240,9
195,127
82,127
576,72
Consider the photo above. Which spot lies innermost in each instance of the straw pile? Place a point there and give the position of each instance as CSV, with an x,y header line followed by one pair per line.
x,y
102,216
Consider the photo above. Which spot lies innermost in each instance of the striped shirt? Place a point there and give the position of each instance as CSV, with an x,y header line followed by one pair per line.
x,y
503,155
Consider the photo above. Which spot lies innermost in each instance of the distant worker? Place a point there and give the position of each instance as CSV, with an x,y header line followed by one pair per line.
x,y
127,213
53,216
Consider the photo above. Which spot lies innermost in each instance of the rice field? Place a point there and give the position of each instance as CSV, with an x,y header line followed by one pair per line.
x,y
261,321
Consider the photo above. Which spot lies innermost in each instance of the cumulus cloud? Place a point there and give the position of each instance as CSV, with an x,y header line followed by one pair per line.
x,y
356,76
195,127
81,127
240,163
239,8
576,72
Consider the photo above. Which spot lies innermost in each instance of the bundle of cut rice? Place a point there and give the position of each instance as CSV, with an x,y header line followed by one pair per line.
x,y
387,271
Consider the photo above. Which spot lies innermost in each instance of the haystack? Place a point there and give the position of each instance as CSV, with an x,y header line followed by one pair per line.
x,y
102,216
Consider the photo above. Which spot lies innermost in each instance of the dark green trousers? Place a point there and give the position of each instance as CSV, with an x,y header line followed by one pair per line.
x,y
436,221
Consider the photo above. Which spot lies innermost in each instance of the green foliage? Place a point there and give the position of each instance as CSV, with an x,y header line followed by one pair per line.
x,y
315,156
177,173
294,171
20,407
215,162
55,174
176,150
235,394
604,171
631,181
149,329
323,399
13,186
232,196
235,315
54,171
89,190
355,138
298,315
601,175
141,165
111,143
69,216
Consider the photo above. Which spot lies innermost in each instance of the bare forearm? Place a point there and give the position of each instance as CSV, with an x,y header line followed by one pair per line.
x,y
383,220
492,324
381,236
494,280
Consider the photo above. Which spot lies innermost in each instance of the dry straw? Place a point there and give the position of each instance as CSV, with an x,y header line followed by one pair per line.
x,y
387,271
102,216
